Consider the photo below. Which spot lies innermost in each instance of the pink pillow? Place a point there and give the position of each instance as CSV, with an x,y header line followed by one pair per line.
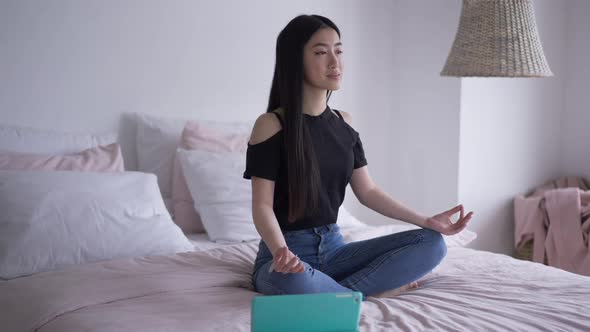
x,y
102,158
197,136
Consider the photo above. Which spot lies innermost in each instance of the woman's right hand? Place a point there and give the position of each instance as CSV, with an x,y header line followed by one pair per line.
x,y
285,261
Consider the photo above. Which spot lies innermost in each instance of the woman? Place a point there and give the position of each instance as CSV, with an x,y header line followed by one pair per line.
x,y
301,156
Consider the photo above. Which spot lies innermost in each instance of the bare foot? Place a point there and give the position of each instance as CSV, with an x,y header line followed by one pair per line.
x,y
399,290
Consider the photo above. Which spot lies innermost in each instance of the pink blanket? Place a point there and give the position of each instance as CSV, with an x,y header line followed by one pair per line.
x,y
210,291
557,217
182,290
567,236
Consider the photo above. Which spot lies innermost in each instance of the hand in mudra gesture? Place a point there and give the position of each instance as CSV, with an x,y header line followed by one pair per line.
x,y
443,224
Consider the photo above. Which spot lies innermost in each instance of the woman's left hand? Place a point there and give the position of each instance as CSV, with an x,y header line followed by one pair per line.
x,y
443,224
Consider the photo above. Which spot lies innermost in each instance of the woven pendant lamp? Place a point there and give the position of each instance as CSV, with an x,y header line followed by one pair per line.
x,y
497,38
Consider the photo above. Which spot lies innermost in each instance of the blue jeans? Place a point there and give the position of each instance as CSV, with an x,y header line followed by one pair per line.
x,y
331,265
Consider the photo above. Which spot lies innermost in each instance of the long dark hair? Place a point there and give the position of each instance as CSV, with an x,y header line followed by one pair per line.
x,y
287,93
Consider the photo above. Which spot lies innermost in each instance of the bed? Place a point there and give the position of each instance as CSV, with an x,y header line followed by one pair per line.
x,y
209,290
90,246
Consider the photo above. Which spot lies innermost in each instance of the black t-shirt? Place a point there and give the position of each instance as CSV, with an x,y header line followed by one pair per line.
x,y
338,149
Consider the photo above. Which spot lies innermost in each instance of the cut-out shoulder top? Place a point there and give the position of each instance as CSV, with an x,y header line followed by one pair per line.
x,y
339,151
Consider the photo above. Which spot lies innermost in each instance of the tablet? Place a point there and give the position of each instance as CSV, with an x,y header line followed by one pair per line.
x,y
326,312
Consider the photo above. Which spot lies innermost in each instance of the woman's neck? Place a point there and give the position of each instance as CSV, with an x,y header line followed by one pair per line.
x,y
314,100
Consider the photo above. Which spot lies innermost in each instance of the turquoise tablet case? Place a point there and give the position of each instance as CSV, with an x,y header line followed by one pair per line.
x,y
326,312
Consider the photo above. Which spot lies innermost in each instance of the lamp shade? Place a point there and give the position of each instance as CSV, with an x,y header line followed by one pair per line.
x,y
497,38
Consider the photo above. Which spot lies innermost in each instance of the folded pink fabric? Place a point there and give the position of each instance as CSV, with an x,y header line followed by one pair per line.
x,y
529,219
562,182
107,158
557,216
564,244
198,136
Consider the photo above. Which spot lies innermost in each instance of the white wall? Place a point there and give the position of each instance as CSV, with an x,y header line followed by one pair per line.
x,y
81,66
431,142
576,138
375,91
425,122
73,65
511,136
412,136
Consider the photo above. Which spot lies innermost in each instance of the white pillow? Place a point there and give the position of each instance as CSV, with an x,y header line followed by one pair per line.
x,y
31,140
371,231
52,219
347,220
222,197
157,140
224,201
